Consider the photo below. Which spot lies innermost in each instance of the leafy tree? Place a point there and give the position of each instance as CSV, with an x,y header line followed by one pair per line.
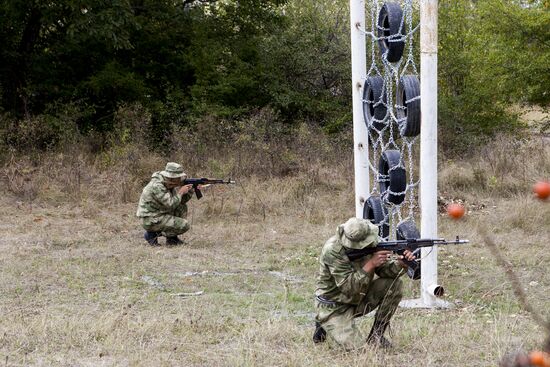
x,y
51,46
309,60
517,48
472,104
225,53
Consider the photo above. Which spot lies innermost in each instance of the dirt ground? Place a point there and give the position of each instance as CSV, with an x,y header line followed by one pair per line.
x,y
80,288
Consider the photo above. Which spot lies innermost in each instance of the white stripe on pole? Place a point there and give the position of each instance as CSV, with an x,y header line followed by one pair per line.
x,y
360,134
428,146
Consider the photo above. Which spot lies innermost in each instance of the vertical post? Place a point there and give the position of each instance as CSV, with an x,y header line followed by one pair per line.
x,y
428,146
360,134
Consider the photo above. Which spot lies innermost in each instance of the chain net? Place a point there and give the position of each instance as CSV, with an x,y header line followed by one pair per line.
x,y
392,68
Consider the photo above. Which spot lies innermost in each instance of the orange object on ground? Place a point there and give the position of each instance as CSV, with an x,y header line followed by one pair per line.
x,y
456,210
539,358
542,189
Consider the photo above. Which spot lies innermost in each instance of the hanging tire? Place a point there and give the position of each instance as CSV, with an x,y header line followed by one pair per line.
x,y
374,211
407,230
392,176
408,105
390,32
374,103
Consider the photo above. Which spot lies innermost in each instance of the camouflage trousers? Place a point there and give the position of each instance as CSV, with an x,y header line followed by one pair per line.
x,y
170,225
339,320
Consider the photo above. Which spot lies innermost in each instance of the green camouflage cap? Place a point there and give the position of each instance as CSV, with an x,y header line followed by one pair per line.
x,y
358,233
173,170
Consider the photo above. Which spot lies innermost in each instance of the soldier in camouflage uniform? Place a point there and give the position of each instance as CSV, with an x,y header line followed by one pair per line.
x,y
346,289
162,205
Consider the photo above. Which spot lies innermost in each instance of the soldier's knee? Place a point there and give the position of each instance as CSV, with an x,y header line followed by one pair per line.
x,y
182,226
398,287
185,228
397,284
394,283
392,286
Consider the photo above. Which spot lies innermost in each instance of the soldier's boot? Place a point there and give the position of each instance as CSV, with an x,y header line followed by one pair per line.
x,y
376,335
173,241
320,335
152,238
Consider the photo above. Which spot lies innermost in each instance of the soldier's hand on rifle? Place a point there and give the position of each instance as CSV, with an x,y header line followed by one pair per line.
x,y
379,258
185,189
408,255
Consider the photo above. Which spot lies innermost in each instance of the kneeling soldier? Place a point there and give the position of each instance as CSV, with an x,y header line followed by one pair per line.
x,y
346,289
162,205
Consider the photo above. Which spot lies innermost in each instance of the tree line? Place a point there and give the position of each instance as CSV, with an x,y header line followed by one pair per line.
x,y
71,63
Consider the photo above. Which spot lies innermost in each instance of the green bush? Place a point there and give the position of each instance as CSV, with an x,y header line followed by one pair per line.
x,y
41,132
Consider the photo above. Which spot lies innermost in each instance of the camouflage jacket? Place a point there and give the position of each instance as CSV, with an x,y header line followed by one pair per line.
x,y
341,280
157,200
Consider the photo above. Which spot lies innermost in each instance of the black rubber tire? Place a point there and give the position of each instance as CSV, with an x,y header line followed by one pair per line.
x,y
373,93
409,117
407,230
390,24
374,211
393,176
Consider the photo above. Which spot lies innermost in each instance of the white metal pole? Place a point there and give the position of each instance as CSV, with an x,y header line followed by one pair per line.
x,y
428,146
360,134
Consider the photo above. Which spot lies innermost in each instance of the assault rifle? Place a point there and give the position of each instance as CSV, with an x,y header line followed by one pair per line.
x,y
399,246
204,181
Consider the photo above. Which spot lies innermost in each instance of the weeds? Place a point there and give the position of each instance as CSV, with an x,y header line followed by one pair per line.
x,y
503,168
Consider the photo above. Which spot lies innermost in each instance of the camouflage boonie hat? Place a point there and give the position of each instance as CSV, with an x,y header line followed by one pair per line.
x,y
358,233
173,170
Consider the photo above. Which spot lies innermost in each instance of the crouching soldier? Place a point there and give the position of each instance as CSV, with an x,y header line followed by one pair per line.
x,y
346,289
162,205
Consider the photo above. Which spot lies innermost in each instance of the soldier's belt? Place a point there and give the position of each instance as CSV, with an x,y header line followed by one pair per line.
x,y
326,302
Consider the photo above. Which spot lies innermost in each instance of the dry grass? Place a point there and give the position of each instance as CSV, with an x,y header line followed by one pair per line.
x,y
79,287
504,168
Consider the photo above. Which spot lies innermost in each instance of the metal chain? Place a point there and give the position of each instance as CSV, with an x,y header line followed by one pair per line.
x,y
388,136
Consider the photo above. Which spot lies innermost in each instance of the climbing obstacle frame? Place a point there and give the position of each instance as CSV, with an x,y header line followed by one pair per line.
x,y
392,138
